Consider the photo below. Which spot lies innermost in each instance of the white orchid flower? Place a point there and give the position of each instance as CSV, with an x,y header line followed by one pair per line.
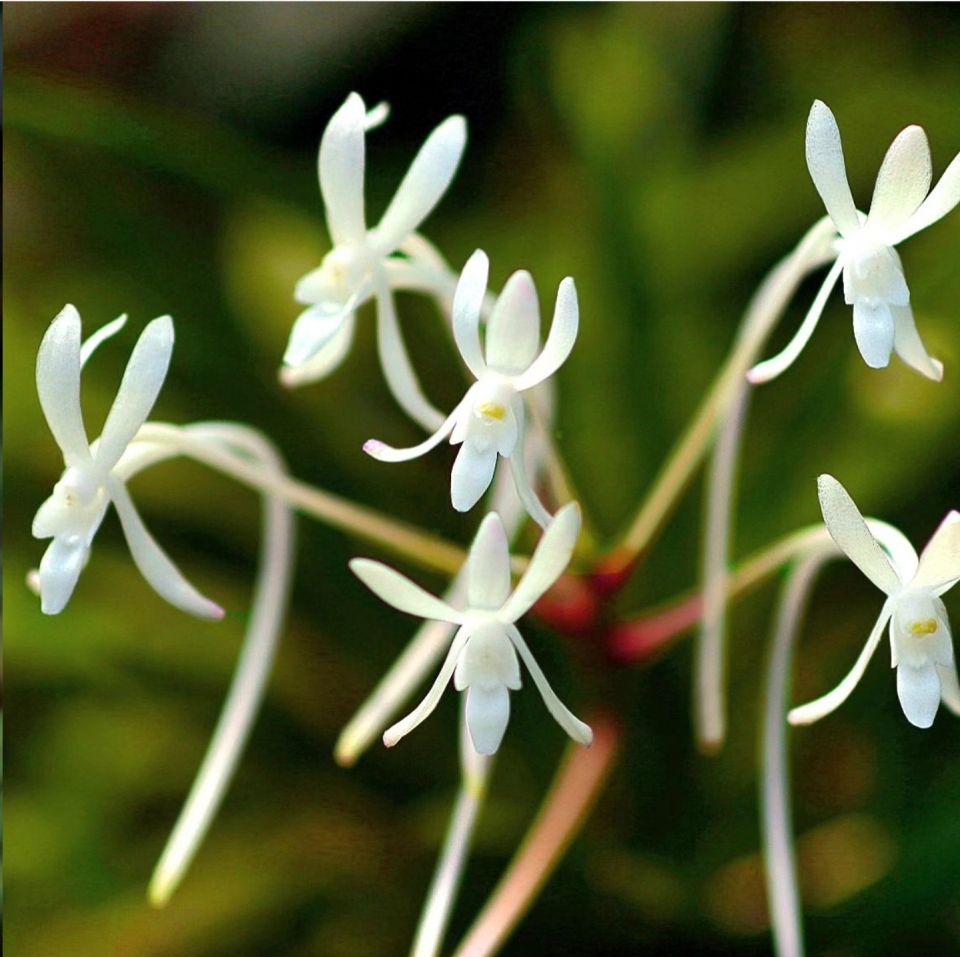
x,y
356,269
73,513
920,640
873,281
490,420
482,659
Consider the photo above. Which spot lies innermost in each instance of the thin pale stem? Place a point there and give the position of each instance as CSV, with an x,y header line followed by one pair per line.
x,y
271,595
418,547
475,775
577,785
418,659
710,718
765,309
780,869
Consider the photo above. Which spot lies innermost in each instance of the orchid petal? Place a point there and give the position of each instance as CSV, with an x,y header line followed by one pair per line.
x,y
521,480
314,328
549,560
471,476
397,590
426,707
949,687
940,559
827,169
874,331
60,569
577,729
919,693
562,336
942,199
487,715
58,385
849,531
138,391
426,181
341,166
387,453
49,520
94,341
488,567
815,710
467,304
325,360
909,346
395,362
513,329
154,564
769,369
903,180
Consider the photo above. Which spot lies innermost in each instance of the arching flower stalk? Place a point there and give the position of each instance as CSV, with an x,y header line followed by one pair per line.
x,y
873,281
482,659
362,264
91,481
920,641
491,419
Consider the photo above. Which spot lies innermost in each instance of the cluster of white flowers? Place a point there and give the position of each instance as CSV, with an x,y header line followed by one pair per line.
x,y
473,631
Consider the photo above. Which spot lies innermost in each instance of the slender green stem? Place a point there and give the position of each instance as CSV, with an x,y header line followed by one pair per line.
x,y
647,634
765,309
418,547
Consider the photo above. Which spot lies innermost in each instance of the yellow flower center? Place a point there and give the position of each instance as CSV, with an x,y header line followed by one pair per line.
x,y
925,627
492,410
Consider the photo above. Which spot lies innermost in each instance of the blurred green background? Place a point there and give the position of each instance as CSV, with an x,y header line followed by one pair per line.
x,y
161,158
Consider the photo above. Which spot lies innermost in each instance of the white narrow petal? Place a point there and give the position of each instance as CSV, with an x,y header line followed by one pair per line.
x,y
421,656
513,329
59,571
340,164
93,342
471,476
488,566
825,162
815,710
524,488
874,330
467,305
909,346
58,385
562,336
154,564
551,557
942,199
314,328
940,559
919,692
395,362
426,181
139,389
487,715
49,520
849,531
769,369
577,729
903,180
326,360
387,453
426,707
949,687
397,590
